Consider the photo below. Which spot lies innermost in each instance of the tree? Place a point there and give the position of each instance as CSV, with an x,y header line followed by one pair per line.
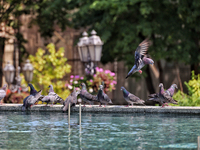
x,y
44,13
172,26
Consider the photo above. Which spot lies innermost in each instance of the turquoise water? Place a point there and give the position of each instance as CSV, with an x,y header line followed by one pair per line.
x,y
32,130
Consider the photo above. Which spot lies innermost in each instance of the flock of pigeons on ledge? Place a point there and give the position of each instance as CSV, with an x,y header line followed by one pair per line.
x,y
163,97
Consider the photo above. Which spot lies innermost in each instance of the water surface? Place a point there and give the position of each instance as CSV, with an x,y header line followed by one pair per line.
x,y
34,130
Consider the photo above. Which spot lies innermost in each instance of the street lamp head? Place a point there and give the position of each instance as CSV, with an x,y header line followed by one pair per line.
x,y
95,46
9,73
82,47
28,71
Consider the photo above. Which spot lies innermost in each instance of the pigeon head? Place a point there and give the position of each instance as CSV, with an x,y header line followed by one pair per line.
x,y
148,61
4,87
33,91
83,85
101,87
51,88
161,85
174,86
122,88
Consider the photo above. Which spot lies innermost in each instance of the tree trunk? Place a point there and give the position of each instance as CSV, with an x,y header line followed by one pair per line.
x,y
195,67
161,80
2,45
149,81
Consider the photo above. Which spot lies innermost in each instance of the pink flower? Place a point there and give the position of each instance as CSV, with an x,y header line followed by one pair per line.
x,y
112,74
77,76
81,78
97,69
91,80
94,75
66,84
100,70
111,83
107,71
71,80
114,82
71,76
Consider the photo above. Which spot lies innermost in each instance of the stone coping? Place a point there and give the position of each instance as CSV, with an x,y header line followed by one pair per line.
x,y
107,109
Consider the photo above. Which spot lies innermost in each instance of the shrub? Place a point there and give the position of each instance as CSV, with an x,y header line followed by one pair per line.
x,y
193,96
50,68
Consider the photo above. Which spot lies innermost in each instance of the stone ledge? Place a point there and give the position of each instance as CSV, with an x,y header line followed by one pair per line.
x,y
107,109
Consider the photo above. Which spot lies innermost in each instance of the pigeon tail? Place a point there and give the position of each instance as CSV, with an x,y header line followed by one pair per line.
x,y
133,69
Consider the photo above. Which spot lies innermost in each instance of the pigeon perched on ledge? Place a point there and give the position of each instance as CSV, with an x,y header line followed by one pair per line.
x,y
86,96
131,98
30,100
52,97
71,99
3,92
140,58
163,97
33,91
102,97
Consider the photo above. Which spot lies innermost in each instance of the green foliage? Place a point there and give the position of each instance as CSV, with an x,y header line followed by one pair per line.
x,y
172,26
50,68
193,96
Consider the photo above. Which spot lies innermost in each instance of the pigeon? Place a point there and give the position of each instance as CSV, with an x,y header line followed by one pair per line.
x,y
52,97
163,97
156,95
30,100
3,92
171,89
71,99
87,97
33,91
131,98
140,58
102,97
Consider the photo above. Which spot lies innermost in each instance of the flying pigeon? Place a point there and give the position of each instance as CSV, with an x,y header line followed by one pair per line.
x,y
102,97
33,91
3,92
87,97
131,98
71,99
163,97
171,89
52,97
30,100
140,58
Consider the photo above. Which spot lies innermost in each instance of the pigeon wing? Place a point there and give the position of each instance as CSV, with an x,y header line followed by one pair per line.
x,y
133,98
106,97
141,51
87,95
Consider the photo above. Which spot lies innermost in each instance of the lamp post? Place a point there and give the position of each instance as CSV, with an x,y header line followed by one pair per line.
x,y
9,75
90,49
28,71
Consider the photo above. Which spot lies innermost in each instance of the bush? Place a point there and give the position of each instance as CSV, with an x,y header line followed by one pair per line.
x,y
50,68
193,96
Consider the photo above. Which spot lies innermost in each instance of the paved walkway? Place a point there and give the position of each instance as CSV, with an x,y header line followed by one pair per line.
x,y
107,109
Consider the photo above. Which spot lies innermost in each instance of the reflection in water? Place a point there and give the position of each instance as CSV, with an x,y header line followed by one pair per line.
x,y
31,130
